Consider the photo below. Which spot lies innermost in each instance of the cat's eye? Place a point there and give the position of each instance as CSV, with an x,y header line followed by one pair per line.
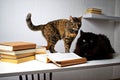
x,y
84,41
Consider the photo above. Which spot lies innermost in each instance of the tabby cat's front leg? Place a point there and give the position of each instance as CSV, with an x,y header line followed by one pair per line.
x,y
50,46
67,44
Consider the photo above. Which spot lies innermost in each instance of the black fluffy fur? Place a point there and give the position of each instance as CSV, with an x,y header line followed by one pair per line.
x,y
94,46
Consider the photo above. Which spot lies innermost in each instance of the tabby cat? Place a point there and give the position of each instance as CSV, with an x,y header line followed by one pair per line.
x,y
94,46
57,30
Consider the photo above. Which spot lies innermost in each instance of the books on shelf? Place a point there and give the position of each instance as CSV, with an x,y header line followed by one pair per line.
x,y
20,60
61,59
17,52
13,46
94,10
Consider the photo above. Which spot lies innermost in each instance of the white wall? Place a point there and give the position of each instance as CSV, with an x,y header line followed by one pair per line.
x,y
13,13
117,28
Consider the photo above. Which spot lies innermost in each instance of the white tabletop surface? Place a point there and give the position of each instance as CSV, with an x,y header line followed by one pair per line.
x,y
34,66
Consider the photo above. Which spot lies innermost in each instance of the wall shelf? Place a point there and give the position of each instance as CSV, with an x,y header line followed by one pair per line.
x,y
101,16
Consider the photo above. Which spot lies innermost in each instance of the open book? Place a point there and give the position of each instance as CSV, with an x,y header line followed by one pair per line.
x,y
66,59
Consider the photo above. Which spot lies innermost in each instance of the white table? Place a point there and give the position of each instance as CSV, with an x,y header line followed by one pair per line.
x,y
34,67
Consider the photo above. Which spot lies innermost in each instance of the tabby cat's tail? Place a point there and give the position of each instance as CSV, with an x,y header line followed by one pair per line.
x,y
31,25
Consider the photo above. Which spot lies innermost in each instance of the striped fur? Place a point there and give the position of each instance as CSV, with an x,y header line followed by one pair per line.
x,y
57,30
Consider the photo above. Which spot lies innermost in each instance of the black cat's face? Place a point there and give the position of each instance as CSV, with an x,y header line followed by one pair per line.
x,y
87,41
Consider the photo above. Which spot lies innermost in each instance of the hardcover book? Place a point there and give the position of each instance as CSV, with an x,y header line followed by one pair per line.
x,y
16,61
13,46
17,56
94,12
94,9
18,52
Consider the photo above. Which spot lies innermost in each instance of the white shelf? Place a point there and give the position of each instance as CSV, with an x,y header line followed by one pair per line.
x,y
101,16
10,69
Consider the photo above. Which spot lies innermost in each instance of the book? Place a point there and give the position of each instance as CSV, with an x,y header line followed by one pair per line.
x,y
40,50
94,10
18,52
17,61
66,59
42,58
17,56
13,46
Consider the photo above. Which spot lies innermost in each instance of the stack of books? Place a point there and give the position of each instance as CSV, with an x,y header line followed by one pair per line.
x,y
94,10
17,52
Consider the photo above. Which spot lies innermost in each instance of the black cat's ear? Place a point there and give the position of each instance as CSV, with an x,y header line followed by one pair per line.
x,y
71,19
81,32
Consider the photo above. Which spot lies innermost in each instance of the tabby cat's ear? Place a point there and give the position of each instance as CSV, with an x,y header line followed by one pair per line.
x,y
80,18
81,32
71,19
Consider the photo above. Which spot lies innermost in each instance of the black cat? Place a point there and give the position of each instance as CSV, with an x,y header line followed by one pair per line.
x,y
94,46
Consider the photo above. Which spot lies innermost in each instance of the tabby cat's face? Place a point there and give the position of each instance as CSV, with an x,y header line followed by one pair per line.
x,y
87,41
76,24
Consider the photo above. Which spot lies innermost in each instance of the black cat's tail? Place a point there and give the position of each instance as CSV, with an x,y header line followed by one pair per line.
x,y
31,25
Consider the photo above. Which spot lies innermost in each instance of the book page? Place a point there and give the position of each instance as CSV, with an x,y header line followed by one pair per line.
x,y
63,56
